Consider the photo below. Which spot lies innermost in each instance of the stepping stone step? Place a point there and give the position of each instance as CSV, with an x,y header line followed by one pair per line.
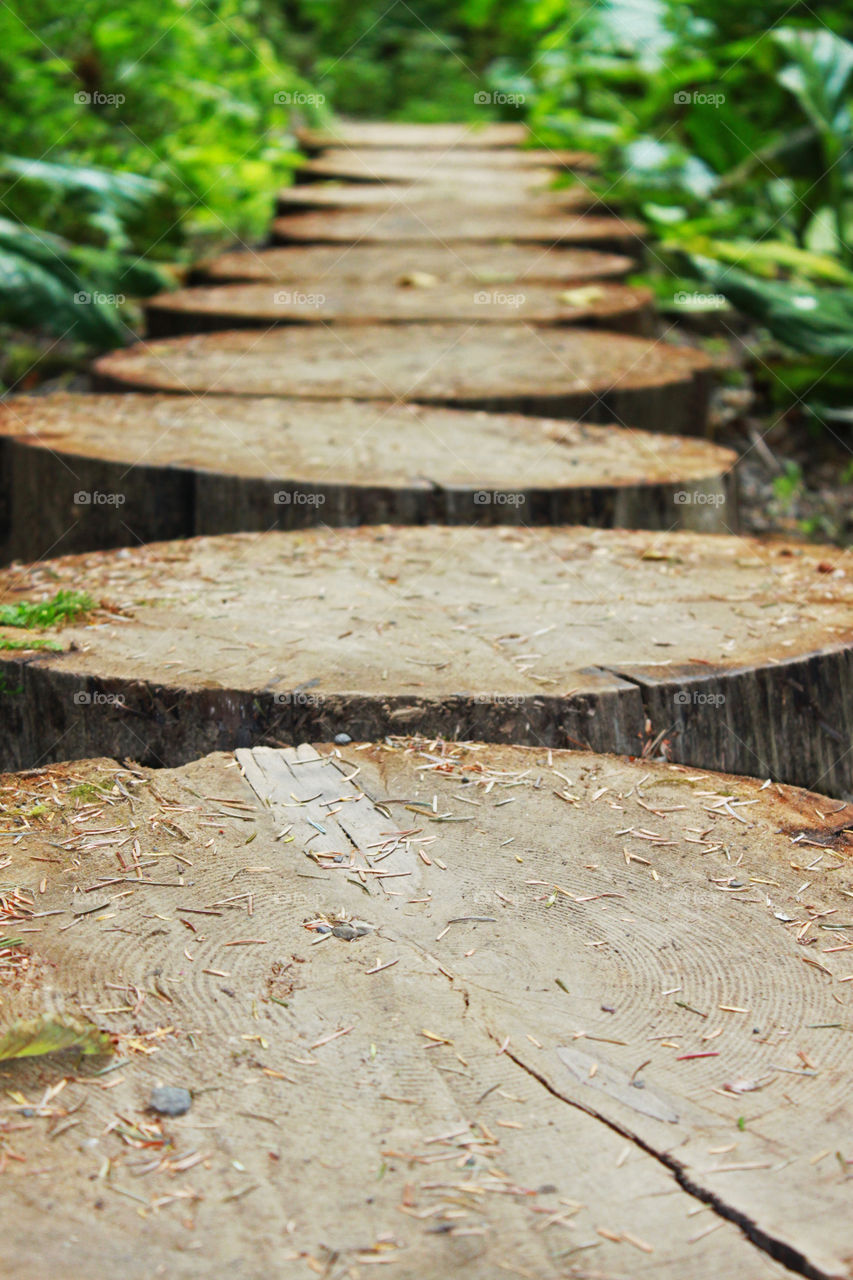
x,y
561,373
416,227
718,651
318,196
564,1023
411,166
394,136
428,264
602,305
128,469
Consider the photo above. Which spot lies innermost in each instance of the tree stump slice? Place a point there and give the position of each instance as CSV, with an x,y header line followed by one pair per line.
x,y
559,373
318,197
450,264
399,136
468,165
409,226
122,470
322,302
468,964
718,651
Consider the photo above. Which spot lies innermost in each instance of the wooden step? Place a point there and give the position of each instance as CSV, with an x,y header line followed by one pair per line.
x,y
564,373
450,263
566,1022
315,197
398,136
121,470
468,166
438,225
321,302
716,651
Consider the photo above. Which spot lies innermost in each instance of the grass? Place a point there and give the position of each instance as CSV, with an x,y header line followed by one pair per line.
x,y
35,643
91,790
66,606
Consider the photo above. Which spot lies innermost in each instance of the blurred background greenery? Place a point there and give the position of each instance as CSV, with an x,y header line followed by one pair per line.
x,y
138,135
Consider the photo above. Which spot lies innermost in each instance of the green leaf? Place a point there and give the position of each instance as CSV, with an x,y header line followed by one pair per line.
x,y
809,319
31,1038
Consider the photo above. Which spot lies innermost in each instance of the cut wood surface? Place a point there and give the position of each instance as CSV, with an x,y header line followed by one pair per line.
x,y
468,165
718,651
364,195
525,1011
121,470
599,304
563,373
398,135
409,225
450,263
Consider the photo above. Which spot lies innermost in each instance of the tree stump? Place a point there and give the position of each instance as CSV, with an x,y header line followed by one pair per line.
x,y
483,264
466,165
559,373
463,223
462,991
317,197
322,302
122,470
403,137
714,651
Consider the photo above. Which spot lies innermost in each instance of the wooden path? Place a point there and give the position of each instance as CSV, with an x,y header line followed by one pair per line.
x,y
453,991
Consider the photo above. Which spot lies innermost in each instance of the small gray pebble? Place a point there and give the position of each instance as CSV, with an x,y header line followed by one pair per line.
x,y
169,1101
342,739
349,932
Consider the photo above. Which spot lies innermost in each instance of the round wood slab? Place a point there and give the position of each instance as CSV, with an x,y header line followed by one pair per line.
x,y
717,651
443,224
602,305
400,136
562,373
424,1000
467,165
317,196
122,470
449,263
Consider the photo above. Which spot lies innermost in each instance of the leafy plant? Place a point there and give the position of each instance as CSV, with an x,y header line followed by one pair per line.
x,y
66,606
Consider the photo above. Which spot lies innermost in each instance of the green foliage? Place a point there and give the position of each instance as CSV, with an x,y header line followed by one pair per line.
x,y
818,322
133,133
66,606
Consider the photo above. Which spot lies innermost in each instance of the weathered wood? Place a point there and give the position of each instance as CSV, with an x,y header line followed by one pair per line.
x,y
203,310
413,226
449,263
401,136
501,1034
121,470
561,373
468,164
717,651
316,196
